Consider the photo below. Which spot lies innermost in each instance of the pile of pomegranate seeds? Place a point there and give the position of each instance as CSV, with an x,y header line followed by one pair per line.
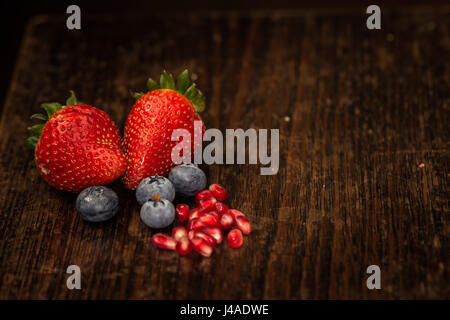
x,y
205,225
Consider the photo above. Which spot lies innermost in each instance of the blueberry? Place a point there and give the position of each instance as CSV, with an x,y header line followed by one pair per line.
x,y
155,184
187,179
158,213
97,204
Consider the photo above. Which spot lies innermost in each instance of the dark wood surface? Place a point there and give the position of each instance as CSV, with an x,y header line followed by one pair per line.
x,y
366,109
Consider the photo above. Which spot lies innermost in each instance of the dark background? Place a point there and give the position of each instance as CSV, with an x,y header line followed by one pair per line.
x,y
15,14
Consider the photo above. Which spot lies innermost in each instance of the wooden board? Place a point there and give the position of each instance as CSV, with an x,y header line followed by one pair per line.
x,y
365,109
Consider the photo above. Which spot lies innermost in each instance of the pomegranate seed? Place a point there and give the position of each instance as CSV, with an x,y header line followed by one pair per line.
x,y
183,246
163,241
216,233
178,233
195,224
221,207
207,205
226,221
192,234
210,220
203,195
219,192
200,245
236,213
195,213
243,224
215,214
182,212
235,238
210,241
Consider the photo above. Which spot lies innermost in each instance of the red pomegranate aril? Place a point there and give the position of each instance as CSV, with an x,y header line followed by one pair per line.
x,y
163,241
215,214
207,205
183,246
216,233
203,195
195,213
219,192
210,220
196,224
243,224
221,207
202,234
193,233
208,239
236,213
200,245
182,212
178,233
235,238
226,221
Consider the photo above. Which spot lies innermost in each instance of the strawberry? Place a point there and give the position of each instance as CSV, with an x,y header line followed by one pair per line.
x,y
77,147
147,143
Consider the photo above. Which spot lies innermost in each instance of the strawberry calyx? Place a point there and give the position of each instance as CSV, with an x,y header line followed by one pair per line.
x,y
50,109
182,86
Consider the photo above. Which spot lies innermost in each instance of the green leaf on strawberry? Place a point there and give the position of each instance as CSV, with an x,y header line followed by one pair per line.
x,y
51,108
152,85
39,116
196,97
72,100
182,86
166,81
183,82
31,142
36,129
136,95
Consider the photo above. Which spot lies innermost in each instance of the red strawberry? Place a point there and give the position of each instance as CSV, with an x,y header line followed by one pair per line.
x,y
147,143
77,147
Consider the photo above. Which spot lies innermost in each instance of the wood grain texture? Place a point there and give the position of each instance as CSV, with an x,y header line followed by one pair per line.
x,y
365,109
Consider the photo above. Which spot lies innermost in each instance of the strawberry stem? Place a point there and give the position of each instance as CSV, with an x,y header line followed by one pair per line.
x,y
166,81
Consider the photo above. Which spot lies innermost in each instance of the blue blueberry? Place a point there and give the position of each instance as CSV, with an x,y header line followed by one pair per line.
x,y
155,184
187,179
97,204
158,213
